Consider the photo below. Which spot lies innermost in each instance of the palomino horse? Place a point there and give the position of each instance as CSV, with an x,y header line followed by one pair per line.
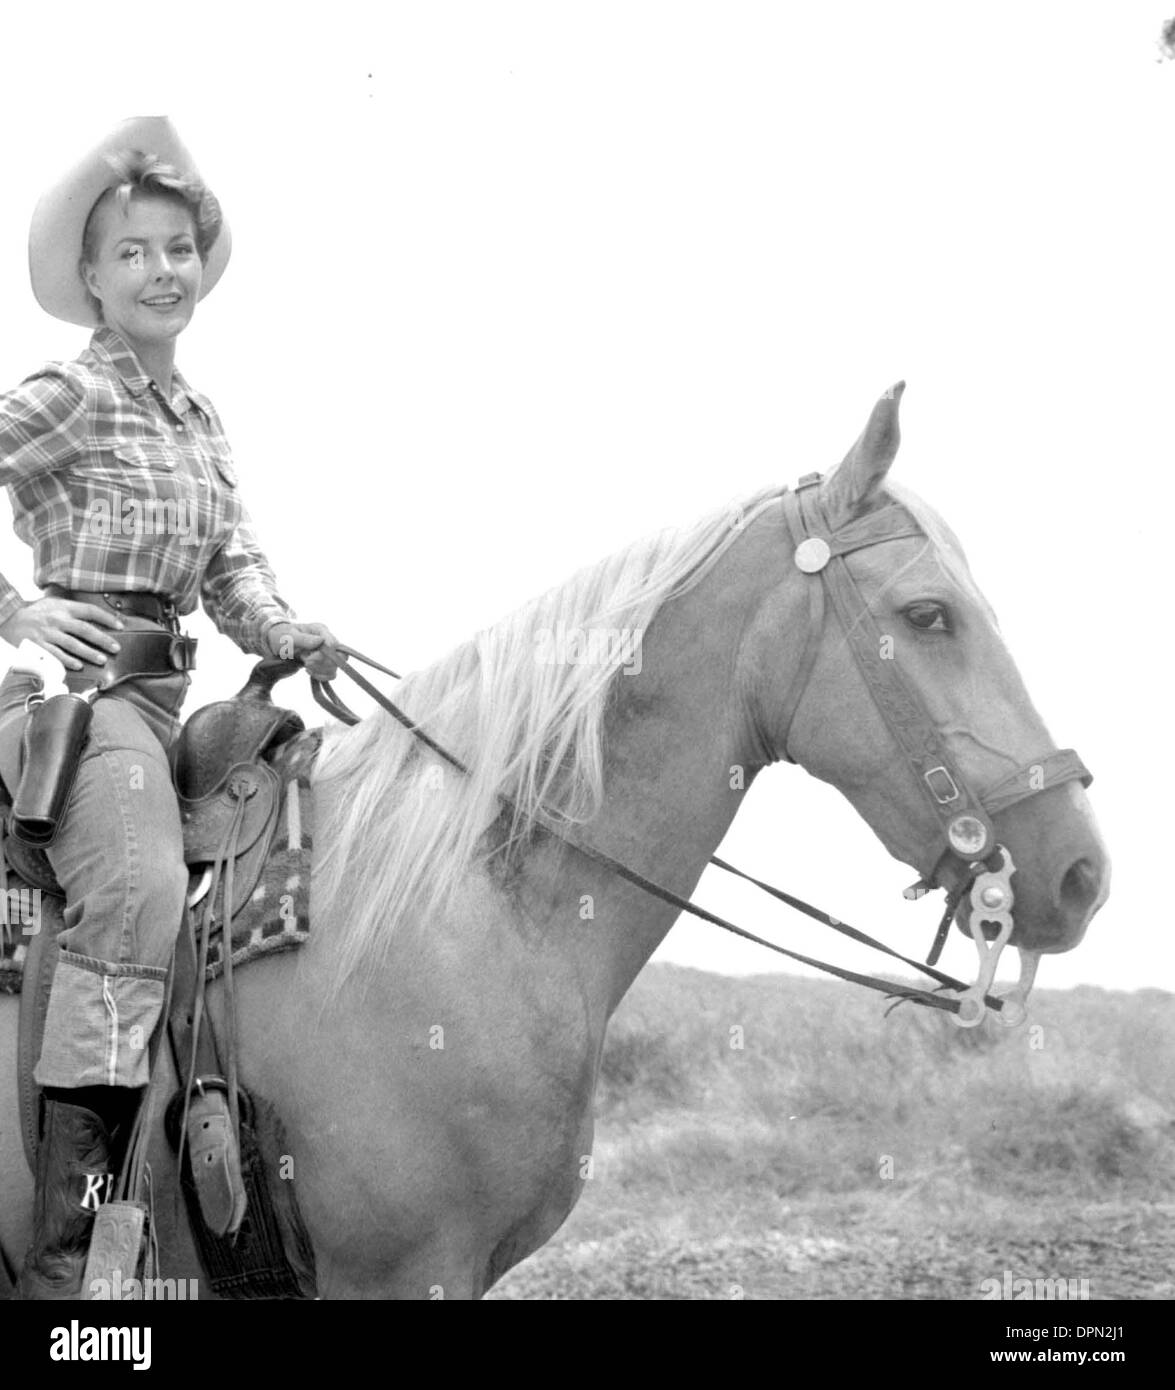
x,y
434,1049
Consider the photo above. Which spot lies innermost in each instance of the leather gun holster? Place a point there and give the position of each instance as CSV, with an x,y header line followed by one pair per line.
x,y
54,736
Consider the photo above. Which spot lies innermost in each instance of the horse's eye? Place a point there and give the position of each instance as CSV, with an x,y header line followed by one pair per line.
x,y
928,617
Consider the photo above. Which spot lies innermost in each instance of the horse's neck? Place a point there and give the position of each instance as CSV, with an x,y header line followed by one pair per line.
x,y
679,755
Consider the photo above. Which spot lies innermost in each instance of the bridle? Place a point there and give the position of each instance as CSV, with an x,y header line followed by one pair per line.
x,y
983,868
964,816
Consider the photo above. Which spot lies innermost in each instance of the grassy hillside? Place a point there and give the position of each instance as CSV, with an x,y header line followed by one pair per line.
x,y
780,1137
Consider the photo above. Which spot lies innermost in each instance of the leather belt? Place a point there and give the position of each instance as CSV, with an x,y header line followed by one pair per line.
x,y
152,652
142,605
140,654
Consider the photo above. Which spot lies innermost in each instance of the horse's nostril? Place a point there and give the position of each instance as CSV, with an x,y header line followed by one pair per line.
x,y
1080,887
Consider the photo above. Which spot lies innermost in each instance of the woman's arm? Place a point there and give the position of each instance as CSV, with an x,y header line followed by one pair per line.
x,y
43,425
240,595
239,590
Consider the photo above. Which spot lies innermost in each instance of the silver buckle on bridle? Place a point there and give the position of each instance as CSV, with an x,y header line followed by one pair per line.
x,y
938,775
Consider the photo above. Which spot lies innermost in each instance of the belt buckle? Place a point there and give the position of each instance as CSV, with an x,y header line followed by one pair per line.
x,y
182,652
942,785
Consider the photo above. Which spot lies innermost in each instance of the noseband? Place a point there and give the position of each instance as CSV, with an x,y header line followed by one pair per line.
x,y
968,843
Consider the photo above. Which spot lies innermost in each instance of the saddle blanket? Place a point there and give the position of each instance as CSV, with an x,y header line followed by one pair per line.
x,y
277,915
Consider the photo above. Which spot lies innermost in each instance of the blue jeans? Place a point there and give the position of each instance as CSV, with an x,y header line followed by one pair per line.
x,y
119,858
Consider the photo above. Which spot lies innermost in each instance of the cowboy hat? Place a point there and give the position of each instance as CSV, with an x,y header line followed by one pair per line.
x,y
59,219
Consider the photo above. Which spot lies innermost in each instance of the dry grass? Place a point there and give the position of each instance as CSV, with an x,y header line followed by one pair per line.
x,y
778,1137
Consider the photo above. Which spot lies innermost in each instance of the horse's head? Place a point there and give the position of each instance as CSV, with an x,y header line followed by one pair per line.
x,y
901,693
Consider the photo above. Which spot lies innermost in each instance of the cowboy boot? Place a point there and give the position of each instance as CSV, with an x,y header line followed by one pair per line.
x,y
73,1174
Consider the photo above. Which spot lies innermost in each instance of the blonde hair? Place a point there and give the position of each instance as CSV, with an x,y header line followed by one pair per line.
x,y
145,175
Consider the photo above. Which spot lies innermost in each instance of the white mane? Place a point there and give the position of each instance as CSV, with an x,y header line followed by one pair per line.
x,y
397,829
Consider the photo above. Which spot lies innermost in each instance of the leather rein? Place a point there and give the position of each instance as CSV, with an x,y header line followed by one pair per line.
x,y
963,817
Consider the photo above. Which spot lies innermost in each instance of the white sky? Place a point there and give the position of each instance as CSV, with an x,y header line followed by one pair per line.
x,y
515,283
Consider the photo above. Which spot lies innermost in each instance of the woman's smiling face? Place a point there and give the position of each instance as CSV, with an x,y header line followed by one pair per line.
x,y
145,268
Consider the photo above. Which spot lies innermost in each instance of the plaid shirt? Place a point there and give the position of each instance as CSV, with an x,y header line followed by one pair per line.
x,y
118,489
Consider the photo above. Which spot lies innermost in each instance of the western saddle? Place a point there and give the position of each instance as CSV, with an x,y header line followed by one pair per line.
x,y
216,762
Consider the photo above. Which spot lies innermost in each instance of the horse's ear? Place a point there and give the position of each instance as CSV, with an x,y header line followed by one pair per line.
x,y
854,484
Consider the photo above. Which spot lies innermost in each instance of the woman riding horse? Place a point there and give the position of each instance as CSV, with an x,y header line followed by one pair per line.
x,y
123,484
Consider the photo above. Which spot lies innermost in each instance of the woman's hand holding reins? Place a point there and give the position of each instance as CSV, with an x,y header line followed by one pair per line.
x,y
312,644
70,631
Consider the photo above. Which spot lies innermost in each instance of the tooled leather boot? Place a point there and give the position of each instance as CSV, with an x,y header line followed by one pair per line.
x,y
73,1167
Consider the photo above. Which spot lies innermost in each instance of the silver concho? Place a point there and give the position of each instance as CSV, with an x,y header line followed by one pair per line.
x,y
812,555
968,835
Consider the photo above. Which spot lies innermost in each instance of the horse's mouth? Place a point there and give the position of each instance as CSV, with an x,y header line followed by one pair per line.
x,y
1024,937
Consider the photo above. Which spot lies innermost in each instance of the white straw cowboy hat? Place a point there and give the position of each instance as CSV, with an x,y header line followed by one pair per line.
x,y
55,236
